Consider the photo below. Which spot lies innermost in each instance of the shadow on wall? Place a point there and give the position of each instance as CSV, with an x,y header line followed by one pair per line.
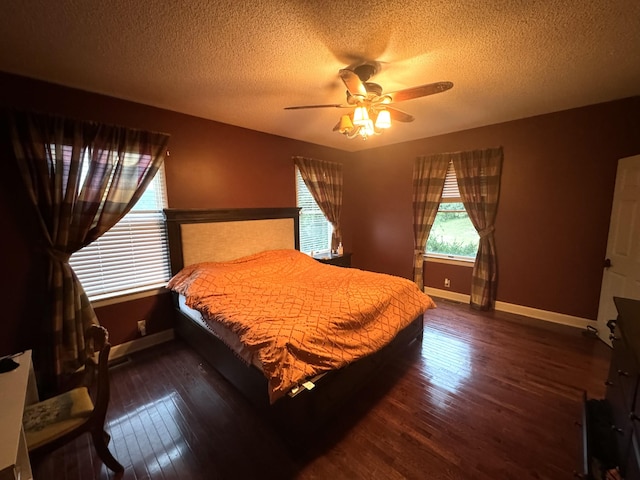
x,y
24,262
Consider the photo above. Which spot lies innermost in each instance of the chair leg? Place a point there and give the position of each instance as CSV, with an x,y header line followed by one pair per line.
x,y
98,436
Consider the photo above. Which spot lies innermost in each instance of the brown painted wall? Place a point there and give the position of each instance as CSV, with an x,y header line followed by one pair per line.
x,y
552,222
211,165
553,216
459,277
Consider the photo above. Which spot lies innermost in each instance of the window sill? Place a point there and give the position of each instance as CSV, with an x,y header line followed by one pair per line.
x,y
461,262
121,297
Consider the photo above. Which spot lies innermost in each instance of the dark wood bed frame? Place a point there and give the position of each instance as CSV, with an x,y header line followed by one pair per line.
x,y
308,409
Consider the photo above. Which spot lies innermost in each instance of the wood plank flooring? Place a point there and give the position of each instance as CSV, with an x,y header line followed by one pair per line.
x,y
484,396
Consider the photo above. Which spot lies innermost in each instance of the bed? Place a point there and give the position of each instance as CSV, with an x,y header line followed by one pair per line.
x,y
200,236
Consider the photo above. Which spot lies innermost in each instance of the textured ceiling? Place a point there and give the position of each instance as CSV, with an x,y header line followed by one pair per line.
x,y
242,62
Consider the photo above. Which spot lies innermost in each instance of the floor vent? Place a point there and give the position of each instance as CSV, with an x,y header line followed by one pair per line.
x,y
119,362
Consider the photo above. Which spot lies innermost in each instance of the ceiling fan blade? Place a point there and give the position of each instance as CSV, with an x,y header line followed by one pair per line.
x,y
330,105
399,115
352,82
420,91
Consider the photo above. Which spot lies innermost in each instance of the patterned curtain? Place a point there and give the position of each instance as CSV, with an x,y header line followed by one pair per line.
x,y
324,181
478,174
428,181
82,177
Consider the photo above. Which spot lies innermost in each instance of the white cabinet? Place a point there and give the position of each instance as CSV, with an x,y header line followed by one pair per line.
x,y
17,388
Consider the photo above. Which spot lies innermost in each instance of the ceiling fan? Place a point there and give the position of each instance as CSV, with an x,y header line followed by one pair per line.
x,y
372,110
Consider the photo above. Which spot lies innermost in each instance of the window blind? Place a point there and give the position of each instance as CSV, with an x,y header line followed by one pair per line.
x,y
133,255
450,192
315,229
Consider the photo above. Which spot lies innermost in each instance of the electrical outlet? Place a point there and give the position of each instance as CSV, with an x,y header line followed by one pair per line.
x,y
447,282
142,327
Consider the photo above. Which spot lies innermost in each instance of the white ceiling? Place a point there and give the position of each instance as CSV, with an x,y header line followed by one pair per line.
x,y
241,62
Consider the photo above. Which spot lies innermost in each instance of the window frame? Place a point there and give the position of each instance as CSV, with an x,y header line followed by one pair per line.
x,y
149,289
300,184
450,194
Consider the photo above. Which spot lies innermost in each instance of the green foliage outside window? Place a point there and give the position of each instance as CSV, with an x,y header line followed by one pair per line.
x,y
452,232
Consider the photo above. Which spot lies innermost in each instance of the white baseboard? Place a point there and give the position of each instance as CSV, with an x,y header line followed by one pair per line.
x,y
536,313
124,349
458,297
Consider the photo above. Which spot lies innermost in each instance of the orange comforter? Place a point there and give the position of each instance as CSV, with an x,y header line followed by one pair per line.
x,y
301,317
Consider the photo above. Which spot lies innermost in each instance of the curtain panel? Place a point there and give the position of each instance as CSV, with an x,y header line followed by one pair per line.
x,y
324,181
478,173
428,181
82,177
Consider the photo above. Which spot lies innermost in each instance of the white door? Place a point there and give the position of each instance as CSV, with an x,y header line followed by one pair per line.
x,y
622,277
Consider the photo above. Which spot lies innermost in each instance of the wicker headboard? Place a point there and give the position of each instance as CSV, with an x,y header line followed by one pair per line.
x,y
219,235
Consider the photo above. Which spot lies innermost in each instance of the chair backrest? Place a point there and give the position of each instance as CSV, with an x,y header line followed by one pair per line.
x,y
97,340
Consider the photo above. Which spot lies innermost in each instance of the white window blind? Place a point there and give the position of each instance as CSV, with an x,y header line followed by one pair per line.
x,y
315,229
450,192
133,255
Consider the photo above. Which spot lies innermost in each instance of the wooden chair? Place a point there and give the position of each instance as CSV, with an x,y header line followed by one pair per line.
x,y
53,422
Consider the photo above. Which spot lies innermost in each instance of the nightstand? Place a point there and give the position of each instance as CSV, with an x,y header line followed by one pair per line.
x,y
343,260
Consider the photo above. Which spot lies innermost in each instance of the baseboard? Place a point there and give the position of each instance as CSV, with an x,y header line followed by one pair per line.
x,y
127,348
536,313
449,295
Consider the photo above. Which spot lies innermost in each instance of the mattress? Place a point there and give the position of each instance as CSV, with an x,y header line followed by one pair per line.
x,y
229,338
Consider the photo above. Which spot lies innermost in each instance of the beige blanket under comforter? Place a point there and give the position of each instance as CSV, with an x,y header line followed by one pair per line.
x,y
302,317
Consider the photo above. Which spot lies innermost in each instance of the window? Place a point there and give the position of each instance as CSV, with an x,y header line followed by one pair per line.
x,y
315,229
452,234
133,255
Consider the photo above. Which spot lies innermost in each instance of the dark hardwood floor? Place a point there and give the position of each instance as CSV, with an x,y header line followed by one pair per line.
x,y
484,396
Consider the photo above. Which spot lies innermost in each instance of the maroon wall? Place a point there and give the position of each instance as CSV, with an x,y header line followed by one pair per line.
x,y
211,165
459,276
553,216
552,221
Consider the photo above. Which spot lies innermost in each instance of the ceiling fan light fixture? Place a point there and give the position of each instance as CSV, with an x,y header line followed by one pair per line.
x,y
371,108
384,119
360,116
346,125
367,129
